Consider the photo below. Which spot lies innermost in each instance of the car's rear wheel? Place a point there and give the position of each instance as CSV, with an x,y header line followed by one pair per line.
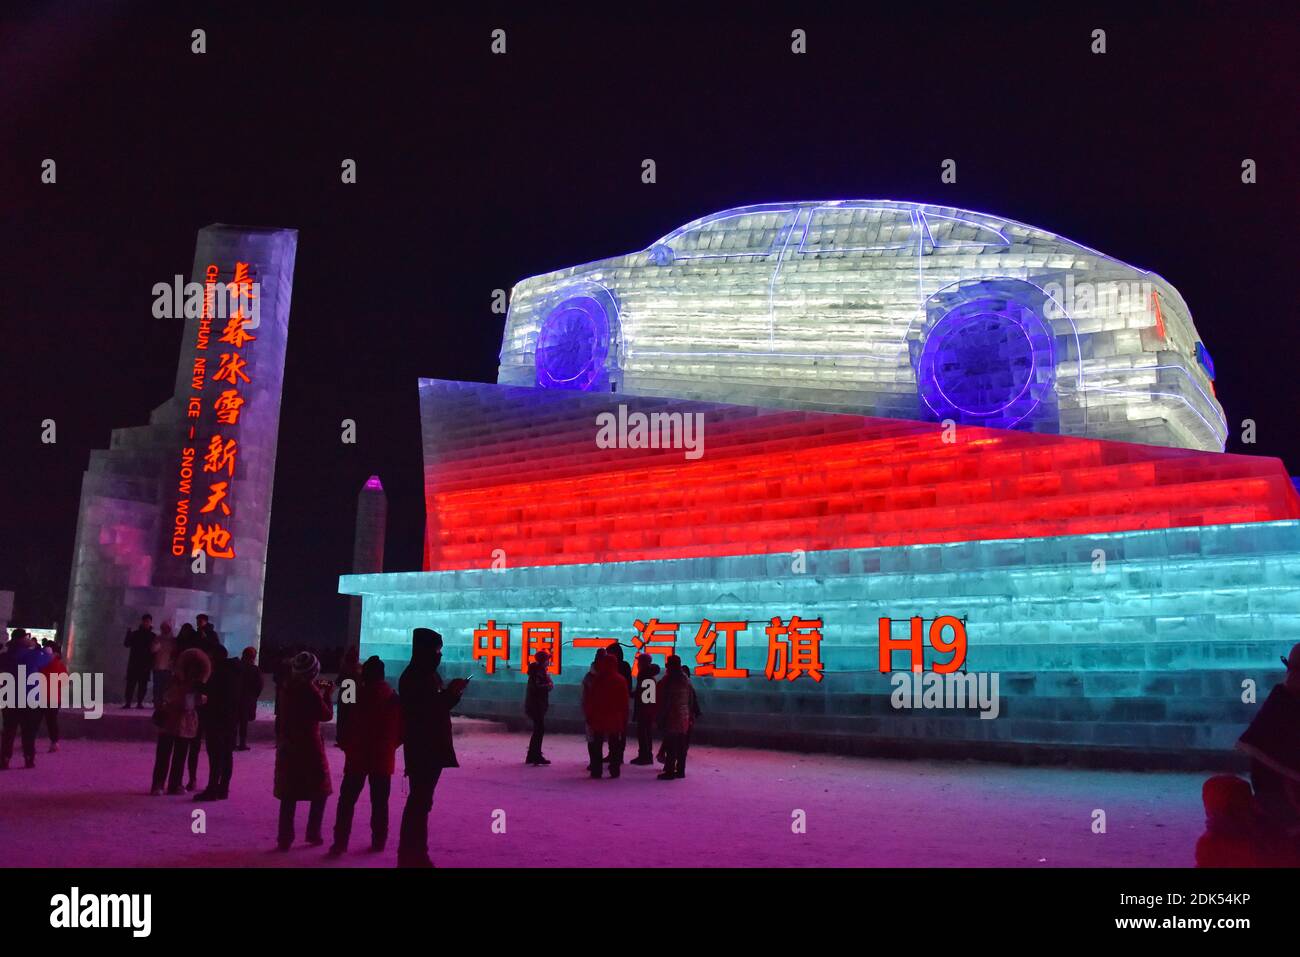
x,y
574,343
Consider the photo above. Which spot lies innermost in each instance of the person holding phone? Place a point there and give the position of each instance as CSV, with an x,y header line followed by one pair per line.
x,y
426,740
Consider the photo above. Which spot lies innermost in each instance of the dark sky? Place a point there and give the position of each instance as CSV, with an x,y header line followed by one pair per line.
x,y
475,171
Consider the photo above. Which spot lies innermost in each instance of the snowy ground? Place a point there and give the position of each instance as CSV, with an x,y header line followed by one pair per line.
x,y
89,805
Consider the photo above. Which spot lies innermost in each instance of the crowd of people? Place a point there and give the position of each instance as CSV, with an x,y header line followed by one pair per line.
x,y
39,659
610,696
204,698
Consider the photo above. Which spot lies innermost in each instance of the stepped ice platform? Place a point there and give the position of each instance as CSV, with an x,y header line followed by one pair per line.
x,y
1124,594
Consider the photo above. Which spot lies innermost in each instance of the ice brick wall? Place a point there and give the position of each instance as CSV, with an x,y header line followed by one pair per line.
x,y
1144,655
518,472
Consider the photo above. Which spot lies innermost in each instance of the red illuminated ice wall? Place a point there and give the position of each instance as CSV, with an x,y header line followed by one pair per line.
x,y
519,470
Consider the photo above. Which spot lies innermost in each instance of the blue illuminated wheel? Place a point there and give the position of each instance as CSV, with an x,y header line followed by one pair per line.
x,y
573,344
988,361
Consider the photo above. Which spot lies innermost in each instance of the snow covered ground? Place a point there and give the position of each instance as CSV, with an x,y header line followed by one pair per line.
x,y
89,805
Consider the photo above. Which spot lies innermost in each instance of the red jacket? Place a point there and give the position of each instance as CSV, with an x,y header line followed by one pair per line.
x,y
606,702
51,671
373,731
302,771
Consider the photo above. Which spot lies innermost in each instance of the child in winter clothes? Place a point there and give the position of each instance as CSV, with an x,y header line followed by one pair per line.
x,y
178,719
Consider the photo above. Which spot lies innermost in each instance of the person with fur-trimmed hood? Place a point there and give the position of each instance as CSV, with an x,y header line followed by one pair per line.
x,y
302,770
177,718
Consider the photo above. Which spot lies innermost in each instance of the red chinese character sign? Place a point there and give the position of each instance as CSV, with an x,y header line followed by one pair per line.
x,y
212,449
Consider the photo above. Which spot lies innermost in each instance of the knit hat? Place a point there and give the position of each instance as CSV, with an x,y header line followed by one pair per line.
x,y
249,654
305,665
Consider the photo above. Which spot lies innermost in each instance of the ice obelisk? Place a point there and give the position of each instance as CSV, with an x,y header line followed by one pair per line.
x,y
175,514
368,546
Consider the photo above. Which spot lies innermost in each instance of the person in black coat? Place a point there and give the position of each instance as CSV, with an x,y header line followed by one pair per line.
x,y
426,740
251,691
139,662
219,719
644,712
537,699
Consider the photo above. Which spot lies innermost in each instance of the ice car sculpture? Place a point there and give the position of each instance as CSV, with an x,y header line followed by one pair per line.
x,y
888,309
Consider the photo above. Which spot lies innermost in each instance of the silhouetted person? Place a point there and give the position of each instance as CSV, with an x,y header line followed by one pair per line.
x,y
250,677
178,719
302,771
139,661
369,742
644,712
164,655
206,640
1273,742
537,699
22,651
678,708
426,740
52,671
605,706
349,671
219,719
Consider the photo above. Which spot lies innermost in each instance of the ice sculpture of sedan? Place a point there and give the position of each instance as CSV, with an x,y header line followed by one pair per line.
x,y
880,308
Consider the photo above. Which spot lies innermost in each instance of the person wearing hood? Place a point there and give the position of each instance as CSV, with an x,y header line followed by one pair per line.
x,y
177,719
22,653
605,705
678,711
369,741
537,700
426,740
219,719
1273,743
645,711
250,678
302,770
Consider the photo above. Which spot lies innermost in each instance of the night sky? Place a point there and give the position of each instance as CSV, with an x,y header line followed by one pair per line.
x,y
475,171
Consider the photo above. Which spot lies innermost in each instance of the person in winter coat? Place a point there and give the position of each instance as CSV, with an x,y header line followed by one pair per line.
x,y
164,653
250,677
537,700
1237,834
139,661
370,744
426,740
605,704
644,712
1273,742
219,719
349,671
22,652
302,771
678,709
178,719
52,671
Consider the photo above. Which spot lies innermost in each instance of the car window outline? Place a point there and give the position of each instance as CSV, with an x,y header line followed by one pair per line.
x,y
912,239
788,214
925,220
